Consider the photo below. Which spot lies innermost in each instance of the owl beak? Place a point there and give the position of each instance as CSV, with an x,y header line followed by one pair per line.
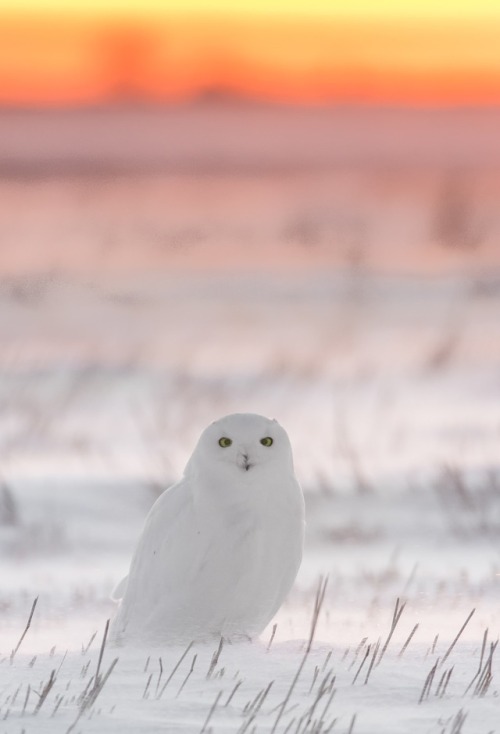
x,y
244,462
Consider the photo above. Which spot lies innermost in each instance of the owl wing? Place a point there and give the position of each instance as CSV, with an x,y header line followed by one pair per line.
x,y
165,557
119,590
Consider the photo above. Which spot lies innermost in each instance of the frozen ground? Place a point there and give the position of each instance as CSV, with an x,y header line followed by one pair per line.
x,y
147,692
389,388
386,378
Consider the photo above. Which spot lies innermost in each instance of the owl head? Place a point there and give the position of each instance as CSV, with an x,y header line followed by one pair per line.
x,y
242,445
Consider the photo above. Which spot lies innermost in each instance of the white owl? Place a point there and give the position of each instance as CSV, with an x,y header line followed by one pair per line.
x,y
221,548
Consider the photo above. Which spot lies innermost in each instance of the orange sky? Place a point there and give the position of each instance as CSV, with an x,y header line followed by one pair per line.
x,y
314,52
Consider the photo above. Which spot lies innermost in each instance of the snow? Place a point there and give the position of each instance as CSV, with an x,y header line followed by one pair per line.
x,y
147,691
388,385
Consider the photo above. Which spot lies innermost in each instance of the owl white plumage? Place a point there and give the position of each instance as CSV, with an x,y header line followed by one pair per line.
x,y
221,548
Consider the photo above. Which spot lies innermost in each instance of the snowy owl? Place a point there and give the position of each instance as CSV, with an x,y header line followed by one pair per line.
x,y
221,548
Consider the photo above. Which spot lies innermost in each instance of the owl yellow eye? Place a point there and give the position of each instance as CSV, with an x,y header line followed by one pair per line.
x,y
225,442
267,441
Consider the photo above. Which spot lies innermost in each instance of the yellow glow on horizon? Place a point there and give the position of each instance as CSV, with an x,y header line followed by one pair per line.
x,y
382,9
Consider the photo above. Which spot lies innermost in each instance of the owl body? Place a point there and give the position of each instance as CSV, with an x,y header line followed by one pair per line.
x,y
221,548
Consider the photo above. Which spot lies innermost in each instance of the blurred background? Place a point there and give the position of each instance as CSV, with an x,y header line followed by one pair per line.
x,y
291,208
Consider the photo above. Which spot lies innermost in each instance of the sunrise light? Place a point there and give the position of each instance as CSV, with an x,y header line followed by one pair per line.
x,y
316,52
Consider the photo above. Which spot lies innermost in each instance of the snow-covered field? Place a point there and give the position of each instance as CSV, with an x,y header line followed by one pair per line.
x,y
389,387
